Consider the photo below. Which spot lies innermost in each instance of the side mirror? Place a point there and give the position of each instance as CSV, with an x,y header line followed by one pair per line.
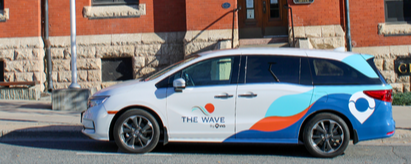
x,y
179,84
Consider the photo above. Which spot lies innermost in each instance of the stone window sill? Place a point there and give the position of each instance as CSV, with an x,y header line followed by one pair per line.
x,y
386,29
4,15
117,11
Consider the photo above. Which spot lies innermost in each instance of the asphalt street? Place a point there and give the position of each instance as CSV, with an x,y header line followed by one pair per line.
x,y
29,151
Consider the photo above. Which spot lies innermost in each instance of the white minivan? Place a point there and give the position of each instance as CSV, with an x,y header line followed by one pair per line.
x,y
322,99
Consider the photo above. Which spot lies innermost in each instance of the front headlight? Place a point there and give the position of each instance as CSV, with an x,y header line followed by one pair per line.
x,y
96,100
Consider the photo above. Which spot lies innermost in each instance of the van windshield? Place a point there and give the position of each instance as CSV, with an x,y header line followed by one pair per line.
x,y
172,66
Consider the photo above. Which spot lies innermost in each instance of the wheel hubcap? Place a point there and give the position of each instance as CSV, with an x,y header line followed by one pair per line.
x,y
136,132
326,136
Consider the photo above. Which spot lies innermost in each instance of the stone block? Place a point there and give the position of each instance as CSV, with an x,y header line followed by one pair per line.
x,y
175,37
217,35
399,50
148,50
328,31
397,88
406,88
93,86
317,43
126,39
61,85
403,79
23,54
9,76
54,76
115,51
89,64
139,62
139,72
153,38
196,36
82,75
94,75
339,32
57,53
197,47
107,84
39,76
388,64
86,52
389,76
155,61
172,49
377,51
38,54
23,76
20,93
33,65
313,31
61,65
299,32
93,40
64,76
7,54
176,58
70,99
379,63
13,66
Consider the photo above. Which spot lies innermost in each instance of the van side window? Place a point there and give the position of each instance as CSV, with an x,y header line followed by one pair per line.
x,y
270,69
331,72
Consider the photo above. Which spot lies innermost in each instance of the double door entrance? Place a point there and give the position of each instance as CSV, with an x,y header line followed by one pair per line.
x,y
262,18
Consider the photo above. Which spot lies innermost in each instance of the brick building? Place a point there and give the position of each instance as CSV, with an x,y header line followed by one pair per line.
x,y
126,39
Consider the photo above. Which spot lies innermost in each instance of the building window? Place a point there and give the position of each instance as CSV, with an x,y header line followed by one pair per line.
x,y
116,2
397,11
1,71
116,69
1,4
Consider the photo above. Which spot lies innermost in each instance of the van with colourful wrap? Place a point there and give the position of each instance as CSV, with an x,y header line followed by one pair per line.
x,y
322,99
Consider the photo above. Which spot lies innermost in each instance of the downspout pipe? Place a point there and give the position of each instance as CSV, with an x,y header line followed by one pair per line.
x,y
47,45
347,12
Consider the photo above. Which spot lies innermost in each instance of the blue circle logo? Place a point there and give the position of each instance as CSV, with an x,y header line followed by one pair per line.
x,y
226,5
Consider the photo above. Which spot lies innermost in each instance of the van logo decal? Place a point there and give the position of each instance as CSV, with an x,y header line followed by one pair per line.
x,y
355,102
207,110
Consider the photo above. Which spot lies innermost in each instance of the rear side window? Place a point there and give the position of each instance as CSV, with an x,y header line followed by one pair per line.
x,y
331,72
270,69
372,64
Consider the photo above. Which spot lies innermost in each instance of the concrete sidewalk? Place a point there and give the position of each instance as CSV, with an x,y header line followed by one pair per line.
x,y
22,117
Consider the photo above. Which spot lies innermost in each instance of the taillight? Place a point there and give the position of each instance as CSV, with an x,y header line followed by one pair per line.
x,y
384,95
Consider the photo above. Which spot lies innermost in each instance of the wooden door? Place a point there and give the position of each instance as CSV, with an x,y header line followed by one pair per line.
x,y
262,18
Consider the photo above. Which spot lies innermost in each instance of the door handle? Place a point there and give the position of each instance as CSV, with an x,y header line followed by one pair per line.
x,y
264,7
223,96
248,95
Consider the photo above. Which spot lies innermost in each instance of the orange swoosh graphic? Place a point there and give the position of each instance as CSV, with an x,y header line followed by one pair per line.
x,y
275,123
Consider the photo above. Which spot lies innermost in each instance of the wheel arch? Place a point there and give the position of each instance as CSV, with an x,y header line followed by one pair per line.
x,y
149,110
342,116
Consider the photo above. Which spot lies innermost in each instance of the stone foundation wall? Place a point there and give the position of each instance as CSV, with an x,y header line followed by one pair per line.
x,y
149,52
319,37
384,60
23,60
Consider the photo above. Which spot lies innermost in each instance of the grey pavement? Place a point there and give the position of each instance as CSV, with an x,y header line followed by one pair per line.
x,y
20,117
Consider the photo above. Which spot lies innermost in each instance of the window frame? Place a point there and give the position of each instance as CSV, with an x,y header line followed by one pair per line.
x,y
235,69
113,2
387,20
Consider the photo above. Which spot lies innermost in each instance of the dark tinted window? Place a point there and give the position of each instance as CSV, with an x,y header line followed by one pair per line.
x,y
269,69
1,4
372,64
216,71
2,71
108,2
331,72
305,72
397,10
116,69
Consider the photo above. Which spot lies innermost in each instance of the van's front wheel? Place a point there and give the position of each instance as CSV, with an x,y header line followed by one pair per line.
x,y
136,131
326,135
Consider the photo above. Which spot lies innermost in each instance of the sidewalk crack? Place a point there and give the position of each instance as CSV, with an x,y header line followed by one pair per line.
x,y
406,162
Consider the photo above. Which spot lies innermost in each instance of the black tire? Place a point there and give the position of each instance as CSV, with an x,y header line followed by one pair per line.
x,y
136,131
326,144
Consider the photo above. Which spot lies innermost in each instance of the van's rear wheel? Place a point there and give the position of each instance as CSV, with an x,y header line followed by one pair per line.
x,y
136,131
326,135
